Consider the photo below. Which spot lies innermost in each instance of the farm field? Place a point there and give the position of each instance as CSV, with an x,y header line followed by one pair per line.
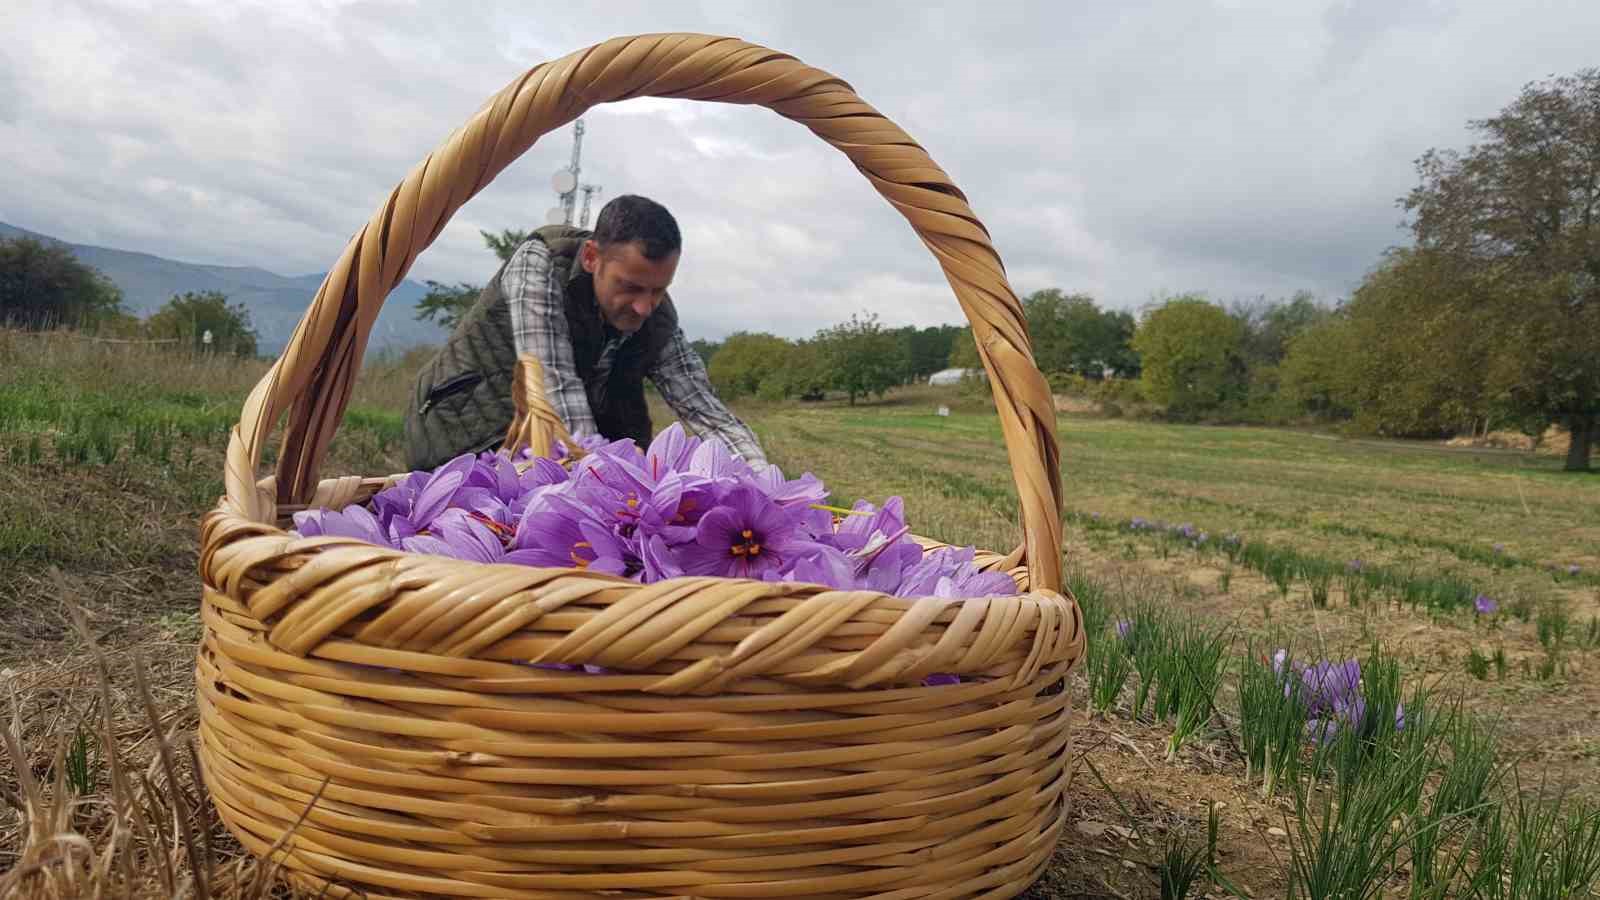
x,y
1476,573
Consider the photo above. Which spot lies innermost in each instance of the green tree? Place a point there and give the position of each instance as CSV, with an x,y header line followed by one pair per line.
x,y
187,317
745,361
446,304
863,356
1315,373
1190,350
1269,326
505,243
964,351
1412,361
1071,333
925,350
43,285
805,372
706,349
1519,211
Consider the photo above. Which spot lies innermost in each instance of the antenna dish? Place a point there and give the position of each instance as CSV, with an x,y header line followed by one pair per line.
x,y
556,215
564,181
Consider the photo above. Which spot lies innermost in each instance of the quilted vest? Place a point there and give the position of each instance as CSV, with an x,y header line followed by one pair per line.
x,y
461,401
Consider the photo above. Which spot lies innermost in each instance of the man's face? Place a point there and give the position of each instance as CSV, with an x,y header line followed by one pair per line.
x,y
627,286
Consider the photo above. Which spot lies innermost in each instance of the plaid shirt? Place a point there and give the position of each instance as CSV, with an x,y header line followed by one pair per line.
x,y
539,327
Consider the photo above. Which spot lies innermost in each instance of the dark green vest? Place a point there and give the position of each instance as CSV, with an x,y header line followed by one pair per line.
x,y
462,398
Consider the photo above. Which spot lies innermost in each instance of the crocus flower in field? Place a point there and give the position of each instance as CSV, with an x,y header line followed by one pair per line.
x,y
1572,569
1485,605
1499,548
1123,626
1354,566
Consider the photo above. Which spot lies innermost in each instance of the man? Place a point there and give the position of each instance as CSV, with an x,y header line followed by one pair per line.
x,y
599,328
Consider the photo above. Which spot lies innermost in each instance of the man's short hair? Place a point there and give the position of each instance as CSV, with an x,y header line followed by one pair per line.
x,y
630,218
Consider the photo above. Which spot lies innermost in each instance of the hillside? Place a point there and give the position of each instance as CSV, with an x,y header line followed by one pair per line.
x,y
275,301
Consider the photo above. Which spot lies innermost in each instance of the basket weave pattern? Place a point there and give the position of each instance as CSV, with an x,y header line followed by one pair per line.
x,y
750,740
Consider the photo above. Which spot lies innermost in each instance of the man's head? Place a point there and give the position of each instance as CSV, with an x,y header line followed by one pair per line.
x,y
632,255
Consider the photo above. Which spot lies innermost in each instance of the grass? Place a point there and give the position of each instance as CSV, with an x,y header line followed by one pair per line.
x,y
1287,540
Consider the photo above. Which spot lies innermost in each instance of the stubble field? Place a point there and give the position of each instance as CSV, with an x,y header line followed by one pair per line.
x,y
1467,583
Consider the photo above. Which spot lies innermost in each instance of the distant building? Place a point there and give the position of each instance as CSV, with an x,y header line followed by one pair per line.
x,y
955,376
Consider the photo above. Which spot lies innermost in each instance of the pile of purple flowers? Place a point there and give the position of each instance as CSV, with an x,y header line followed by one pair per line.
x,y
682,506
1332,695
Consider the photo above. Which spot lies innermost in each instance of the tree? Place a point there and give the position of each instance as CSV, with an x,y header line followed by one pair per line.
x,y
1269,326
1314,373
803,372
1413,361
1190,350
964,351
43,285
864,357
445,304
505,243
189,316
1520,213
925,350
745,361
706,349
1070,333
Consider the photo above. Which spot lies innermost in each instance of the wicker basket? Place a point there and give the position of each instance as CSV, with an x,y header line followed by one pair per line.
x,y
364,710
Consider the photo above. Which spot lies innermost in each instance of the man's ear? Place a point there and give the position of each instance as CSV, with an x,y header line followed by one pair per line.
x,y
589,256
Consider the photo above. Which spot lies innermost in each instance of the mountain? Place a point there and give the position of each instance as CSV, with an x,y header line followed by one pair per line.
x,y
276,302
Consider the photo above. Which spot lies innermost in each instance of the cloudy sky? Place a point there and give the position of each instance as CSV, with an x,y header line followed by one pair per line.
x,y
1237,147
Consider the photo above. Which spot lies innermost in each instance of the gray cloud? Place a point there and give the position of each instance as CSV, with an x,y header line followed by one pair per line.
x,y
1238,148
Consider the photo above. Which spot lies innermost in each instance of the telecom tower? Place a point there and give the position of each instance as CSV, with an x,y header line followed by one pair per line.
x,y
565,182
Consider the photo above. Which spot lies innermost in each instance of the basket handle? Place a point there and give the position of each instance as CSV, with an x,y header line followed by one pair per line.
x,y
311,381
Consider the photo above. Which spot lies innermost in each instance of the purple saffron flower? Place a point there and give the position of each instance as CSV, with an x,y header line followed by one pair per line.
x,y
440,489
658,560
351,522
1499,548
938,679
552,539
1123,626
950,573
744,538
670,451
1354,566
1329,684
713,460
1486,606
1573,570
826,566
802,491
459,534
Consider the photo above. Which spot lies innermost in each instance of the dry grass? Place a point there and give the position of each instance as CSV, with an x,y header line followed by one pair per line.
x,y
103,780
